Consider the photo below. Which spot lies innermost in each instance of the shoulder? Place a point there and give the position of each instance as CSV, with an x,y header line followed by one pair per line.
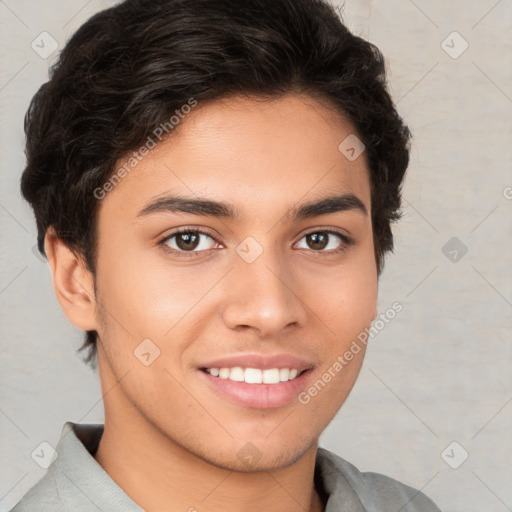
x,y
43,496
374,491
74,480
56,491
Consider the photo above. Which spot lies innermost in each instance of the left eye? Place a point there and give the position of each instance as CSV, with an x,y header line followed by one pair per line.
x,y
324,241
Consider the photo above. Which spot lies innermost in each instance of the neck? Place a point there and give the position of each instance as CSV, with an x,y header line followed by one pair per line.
x,y
159,475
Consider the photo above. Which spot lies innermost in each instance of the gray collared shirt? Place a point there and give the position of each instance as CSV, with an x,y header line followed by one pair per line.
x,y
76,482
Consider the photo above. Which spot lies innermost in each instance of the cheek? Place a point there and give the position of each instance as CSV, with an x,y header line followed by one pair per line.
x,y
346,298
148,297
347,309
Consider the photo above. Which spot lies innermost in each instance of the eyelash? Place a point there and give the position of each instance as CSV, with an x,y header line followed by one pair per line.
x,y
346,242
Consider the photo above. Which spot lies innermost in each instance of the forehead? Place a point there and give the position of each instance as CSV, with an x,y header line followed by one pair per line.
x,y
250,152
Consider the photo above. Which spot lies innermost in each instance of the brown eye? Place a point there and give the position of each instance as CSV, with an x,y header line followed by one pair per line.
x,y
188,240
317,241
326,241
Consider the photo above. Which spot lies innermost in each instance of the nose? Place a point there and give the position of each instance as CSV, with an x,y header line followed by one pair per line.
x,y
263,296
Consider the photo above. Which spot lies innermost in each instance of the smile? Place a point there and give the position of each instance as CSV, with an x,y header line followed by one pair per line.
x,y
255,375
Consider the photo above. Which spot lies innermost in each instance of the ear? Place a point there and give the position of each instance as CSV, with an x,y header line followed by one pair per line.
x,y
73,283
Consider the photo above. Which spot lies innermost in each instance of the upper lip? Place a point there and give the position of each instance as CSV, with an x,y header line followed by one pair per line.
x,y
261,361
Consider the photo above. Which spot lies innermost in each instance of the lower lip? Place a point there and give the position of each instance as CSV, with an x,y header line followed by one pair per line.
x,y
259,396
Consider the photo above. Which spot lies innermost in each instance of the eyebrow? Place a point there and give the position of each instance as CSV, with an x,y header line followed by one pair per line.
x,y
207,207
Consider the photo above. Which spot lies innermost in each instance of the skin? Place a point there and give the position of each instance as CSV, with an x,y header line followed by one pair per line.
x,y
171,441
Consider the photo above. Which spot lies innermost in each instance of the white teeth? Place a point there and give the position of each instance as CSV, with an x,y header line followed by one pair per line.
x,y
223,372
255,375
271,376
236,374
284,374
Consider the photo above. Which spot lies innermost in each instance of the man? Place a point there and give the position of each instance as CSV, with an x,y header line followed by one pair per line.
x,y
213,183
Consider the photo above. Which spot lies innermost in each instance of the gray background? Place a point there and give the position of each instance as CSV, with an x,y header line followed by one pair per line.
x,y
439,372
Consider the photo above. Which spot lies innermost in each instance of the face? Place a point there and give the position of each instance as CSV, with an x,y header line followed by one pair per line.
x,y
273,271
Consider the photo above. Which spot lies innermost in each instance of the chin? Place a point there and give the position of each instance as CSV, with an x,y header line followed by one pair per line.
x,y
253,458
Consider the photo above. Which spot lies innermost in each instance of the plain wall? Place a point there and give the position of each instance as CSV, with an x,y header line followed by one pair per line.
x,y
439,372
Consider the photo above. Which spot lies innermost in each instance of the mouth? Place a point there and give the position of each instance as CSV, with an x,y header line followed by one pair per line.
x,y
255,375
256,388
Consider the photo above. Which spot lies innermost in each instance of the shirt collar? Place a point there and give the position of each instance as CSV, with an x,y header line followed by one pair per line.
x,y
341,496
79,477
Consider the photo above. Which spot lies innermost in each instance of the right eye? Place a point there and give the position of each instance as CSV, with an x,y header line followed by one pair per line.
x,y
188,241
